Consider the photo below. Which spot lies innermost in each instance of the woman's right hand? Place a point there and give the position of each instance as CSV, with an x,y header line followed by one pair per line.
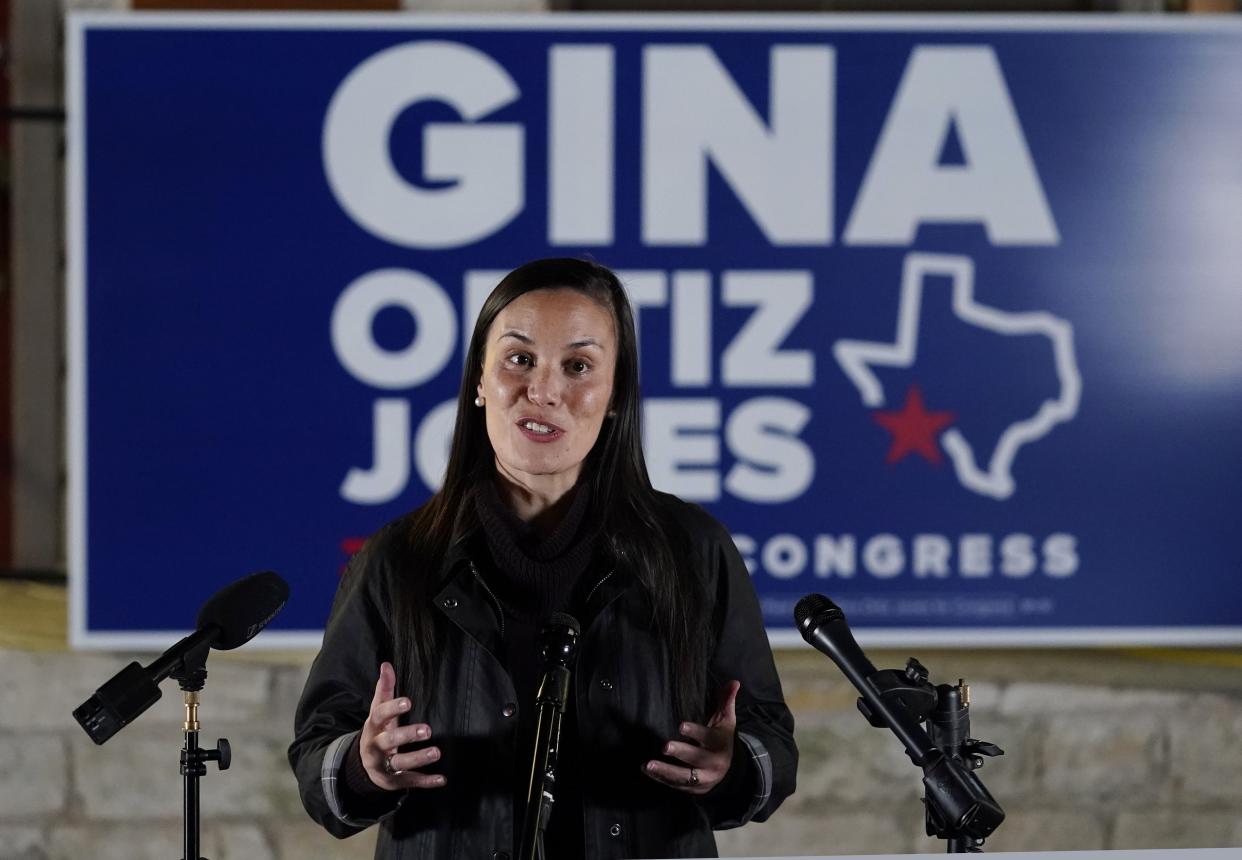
x,y
382,735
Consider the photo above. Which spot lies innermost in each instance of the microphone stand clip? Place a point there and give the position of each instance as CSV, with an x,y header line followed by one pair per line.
x,y
957,806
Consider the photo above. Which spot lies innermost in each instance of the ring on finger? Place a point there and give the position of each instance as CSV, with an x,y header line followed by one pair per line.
x,y
694,777
388,768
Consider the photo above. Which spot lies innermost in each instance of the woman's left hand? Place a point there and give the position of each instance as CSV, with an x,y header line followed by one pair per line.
x,y
705,758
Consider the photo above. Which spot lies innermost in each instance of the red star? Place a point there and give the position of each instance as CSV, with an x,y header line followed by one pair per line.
x,y
914,429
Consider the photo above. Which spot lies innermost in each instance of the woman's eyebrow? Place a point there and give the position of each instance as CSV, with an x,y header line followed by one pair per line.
x,y
587,341
516,335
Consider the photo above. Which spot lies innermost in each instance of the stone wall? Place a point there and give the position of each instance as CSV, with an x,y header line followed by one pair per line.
x,y
1102,750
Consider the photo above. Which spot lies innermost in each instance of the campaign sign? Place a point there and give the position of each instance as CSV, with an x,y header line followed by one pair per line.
x,y
942,317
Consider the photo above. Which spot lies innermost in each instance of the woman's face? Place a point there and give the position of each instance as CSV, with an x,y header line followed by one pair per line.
x,y
547,381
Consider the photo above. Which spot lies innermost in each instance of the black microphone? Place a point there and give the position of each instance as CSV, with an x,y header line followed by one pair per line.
x,y
823,625
243,608
956,793
229,619
558,647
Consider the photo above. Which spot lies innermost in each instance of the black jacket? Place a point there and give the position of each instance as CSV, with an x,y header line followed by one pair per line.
x,y
622,696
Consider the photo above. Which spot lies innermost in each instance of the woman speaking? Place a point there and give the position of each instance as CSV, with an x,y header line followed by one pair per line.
x,y
419,711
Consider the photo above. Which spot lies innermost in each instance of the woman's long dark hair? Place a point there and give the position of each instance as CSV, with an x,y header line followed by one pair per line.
x,y
623,502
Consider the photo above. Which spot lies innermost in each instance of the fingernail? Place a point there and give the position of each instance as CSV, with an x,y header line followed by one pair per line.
x,y
685,727
668,749
440,780
403,704
650,767
433,754
421,734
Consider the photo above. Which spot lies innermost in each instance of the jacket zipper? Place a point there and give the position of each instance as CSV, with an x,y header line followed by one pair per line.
x,y
500,612
595,587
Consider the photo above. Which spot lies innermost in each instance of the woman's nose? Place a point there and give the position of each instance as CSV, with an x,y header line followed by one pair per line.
x,y
543,388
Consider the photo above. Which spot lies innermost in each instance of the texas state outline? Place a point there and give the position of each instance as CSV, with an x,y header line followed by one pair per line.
x,y
856,357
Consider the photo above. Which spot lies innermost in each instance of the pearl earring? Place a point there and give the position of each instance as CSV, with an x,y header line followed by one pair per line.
x,y
479,401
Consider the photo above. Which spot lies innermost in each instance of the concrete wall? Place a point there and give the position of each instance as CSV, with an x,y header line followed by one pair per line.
x,y
1103,750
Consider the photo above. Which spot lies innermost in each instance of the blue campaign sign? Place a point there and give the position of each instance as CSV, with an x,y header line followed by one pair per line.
x,y
941,316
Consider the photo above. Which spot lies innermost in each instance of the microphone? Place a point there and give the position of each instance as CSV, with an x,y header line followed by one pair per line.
x,y
956,795
822,624
243,608
558,647
230,618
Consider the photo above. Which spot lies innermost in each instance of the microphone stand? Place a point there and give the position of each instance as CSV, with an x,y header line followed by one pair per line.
x,y
191,674
558,647
229,619
539,800
958,806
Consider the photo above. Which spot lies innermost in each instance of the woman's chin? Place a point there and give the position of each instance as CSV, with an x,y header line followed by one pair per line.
x,y
544,469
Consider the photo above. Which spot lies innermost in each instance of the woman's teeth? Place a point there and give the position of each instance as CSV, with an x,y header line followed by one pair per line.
x,y
536,427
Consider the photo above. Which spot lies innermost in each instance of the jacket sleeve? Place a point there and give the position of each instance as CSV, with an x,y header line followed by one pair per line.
x,y
337,697
765,758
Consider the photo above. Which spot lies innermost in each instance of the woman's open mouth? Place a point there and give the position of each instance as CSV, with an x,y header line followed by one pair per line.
x,y
539,431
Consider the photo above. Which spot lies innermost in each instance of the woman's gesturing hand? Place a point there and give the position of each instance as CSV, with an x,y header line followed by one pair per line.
x,y
382,735
706,757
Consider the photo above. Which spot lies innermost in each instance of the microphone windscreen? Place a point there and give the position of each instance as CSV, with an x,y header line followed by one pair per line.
x,y
815,608
243,608
564,619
